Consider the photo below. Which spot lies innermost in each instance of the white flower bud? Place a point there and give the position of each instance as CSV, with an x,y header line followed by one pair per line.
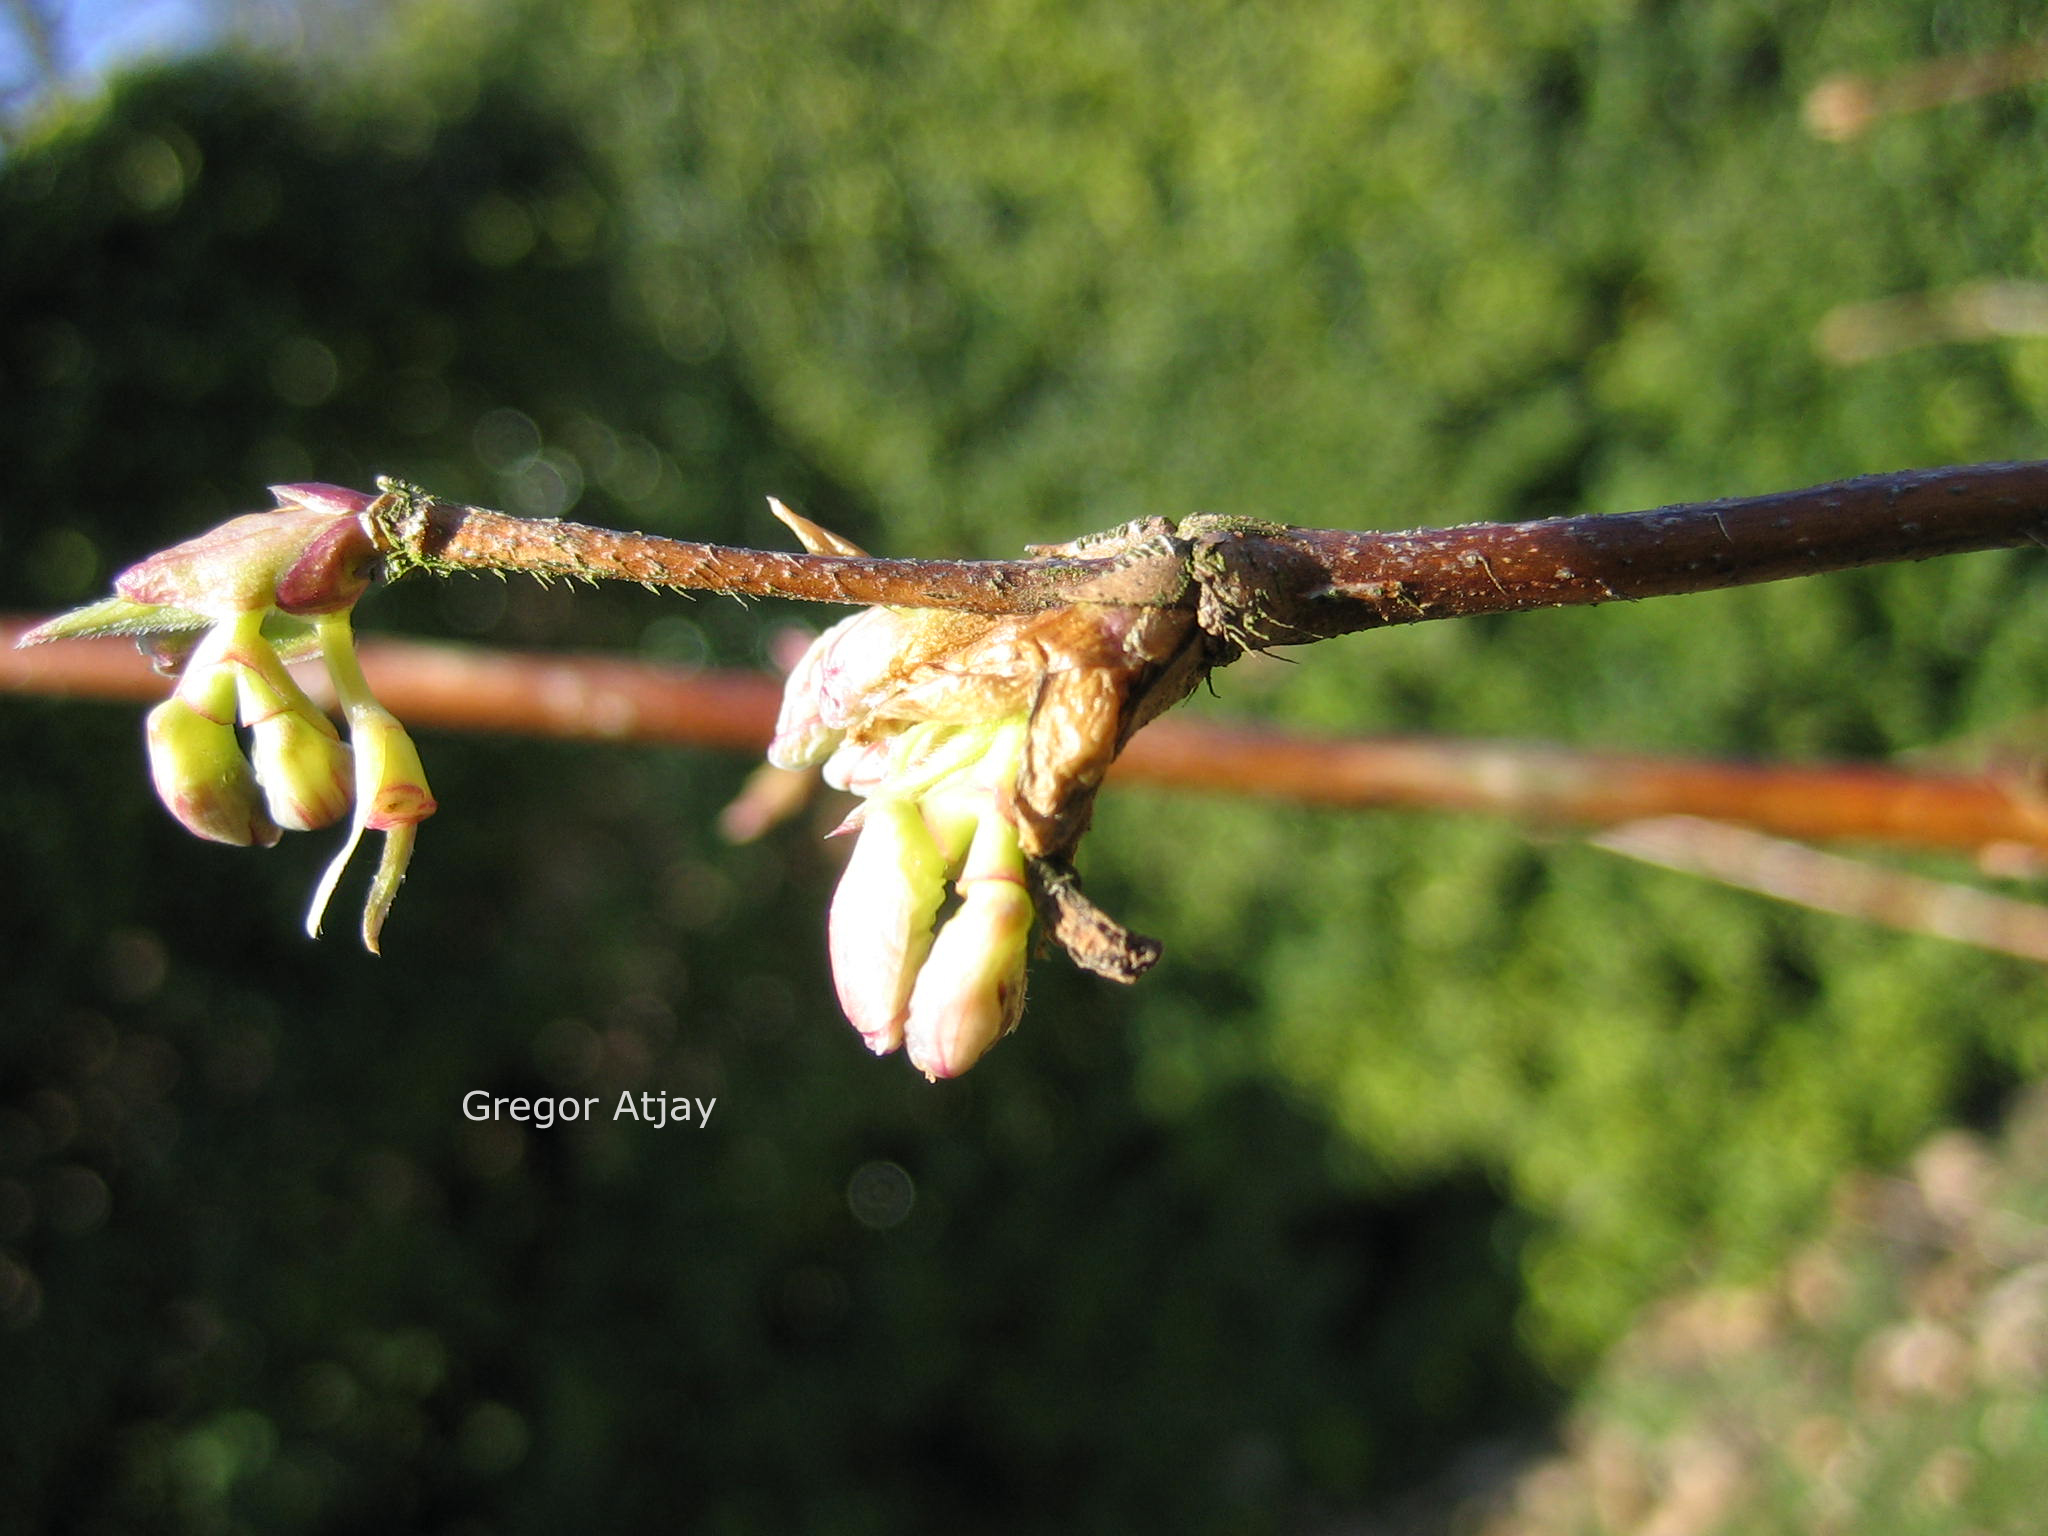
x,y
970,992
881,924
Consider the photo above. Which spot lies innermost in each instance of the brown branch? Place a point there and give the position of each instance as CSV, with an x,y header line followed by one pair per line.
x,y
445,538
1257,584
610,699
1397,578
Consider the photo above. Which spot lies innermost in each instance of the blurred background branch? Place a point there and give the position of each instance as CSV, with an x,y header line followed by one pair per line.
x,y
1672,811
1979,311
1776,867
626,701
1847,106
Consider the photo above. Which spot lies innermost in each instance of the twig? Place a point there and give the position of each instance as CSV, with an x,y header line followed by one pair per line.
x,y
1830,883
1979,311
420,532
1843,107
1395,578
1258,584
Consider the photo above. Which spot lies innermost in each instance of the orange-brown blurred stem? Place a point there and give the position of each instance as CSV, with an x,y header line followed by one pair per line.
x,y
609,699
1821,801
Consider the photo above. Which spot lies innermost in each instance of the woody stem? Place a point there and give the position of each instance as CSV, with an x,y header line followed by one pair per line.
x,y
1273,585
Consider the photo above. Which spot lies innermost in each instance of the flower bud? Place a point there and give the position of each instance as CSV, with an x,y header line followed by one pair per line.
x,y
389,774
391,797
802,738
331,573
970,992
831,687
880,928
997,729
306,770
202,777
320,559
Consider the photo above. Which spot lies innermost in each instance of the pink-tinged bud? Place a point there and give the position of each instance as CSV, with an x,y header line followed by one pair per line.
x,y
390,776
829,689
861,767
970,992
306,770
872,662
880,928
802,738
332,573
202,777
998,728
307,561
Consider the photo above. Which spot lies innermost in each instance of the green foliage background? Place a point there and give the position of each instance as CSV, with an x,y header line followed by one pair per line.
x,y
1417,1111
